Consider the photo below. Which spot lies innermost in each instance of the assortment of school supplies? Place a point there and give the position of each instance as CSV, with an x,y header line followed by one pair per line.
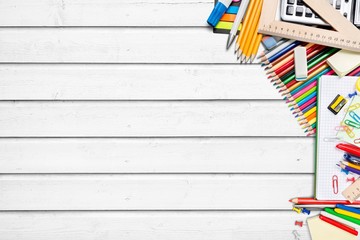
x,y
300,57
297,11
344,62
330,131
239,17
346,36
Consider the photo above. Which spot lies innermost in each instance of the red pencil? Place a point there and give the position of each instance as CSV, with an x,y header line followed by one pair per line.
x,y
354,72
339,225
312,201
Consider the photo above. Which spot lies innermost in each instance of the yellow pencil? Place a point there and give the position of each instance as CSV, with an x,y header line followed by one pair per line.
x,y
347,213
248,36
351,165
256,46
245,24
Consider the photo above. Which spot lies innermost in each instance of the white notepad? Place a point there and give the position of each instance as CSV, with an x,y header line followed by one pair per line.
x,y
320,230
327,155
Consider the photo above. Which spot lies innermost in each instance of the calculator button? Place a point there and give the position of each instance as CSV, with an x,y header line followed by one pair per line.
x,y
308,12
338,4
300,2
290,10
299,11
290,1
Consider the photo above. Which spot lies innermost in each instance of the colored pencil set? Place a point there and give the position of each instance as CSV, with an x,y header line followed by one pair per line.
x,y
300,95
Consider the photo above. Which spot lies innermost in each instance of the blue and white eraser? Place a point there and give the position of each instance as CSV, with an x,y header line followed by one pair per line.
x,y
300,58
218,11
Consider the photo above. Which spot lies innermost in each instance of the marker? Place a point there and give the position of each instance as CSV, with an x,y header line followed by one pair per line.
x,y
347,213
346,208
353,150
339,219
338,225
218,11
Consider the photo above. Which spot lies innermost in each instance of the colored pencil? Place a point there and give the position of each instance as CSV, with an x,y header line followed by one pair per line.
x,y
313,201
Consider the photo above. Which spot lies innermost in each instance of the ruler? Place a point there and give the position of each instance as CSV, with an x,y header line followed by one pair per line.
x,y
352,192
345,35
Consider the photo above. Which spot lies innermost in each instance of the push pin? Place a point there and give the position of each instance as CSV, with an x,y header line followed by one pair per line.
x,y
299,223
352,179
350,95
296,209
305,211
345,171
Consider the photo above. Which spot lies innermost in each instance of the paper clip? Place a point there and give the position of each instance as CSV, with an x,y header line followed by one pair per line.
x,y
332,139
353,107
296,209
352,124
299,223
349,132
357,141
296,235
335,184
354,116
341,128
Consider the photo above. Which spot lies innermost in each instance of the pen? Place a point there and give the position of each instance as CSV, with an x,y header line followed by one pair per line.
x,y
239,17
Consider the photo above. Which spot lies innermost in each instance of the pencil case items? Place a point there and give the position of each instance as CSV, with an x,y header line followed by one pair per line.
x,y
352,159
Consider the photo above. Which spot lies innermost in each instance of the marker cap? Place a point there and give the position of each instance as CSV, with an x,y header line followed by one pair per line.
x,y
216,14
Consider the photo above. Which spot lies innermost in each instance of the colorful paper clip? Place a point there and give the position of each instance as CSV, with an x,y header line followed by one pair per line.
x,y
299,223
296,209
354,116
352,124
342,128
296,235
335,184
353,107
349,132
306,211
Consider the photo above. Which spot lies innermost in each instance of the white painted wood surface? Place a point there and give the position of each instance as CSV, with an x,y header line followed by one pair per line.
x,y
152,192
145,119
133,82
149,225
157,155
132,121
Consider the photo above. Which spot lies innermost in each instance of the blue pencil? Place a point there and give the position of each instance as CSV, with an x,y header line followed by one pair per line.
x,y
283,51
306,99
350,209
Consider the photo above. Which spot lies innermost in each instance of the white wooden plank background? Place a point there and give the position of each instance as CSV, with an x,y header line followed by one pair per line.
x,y
157,155
132,121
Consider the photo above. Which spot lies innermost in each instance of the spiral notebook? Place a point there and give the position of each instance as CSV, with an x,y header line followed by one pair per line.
x,y
330,180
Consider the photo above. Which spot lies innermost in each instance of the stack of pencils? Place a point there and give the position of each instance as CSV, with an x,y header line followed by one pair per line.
x,y
248,41
300,95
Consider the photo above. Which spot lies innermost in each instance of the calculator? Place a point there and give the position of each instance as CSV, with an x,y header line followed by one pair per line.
x,y
297,11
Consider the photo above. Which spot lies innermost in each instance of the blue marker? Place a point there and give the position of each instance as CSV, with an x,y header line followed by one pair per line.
x,y
218,11
346,208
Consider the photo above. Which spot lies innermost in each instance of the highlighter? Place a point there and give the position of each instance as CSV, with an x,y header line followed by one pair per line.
x,y
220,8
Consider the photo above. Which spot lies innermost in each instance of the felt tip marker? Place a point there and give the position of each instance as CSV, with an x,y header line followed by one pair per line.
x,y
218,11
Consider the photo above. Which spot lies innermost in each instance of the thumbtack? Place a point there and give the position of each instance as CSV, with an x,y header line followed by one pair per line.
x,y
299,223
352,179
350,95
345,171
296,209
305,211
